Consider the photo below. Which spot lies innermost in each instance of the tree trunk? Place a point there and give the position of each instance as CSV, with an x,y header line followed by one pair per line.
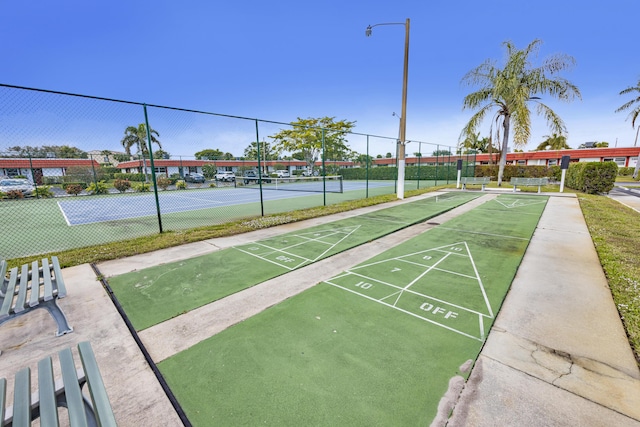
x,y
637,169
503,154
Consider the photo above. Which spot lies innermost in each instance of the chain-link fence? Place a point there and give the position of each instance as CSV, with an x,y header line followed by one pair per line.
x,y
79,171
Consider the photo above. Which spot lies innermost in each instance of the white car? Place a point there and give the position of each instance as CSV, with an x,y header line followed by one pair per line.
x,y
283,174
225,176
16,184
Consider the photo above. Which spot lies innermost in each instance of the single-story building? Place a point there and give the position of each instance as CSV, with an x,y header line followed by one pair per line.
x,y
37,169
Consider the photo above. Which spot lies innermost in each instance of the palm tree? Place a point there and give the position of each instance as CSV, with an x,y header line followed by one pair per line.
x,y
138,136
553,142
633,115
510,90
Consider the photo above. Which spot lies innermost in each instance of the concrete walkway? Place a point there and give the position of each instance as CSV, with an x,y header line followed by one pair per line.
x,y
557,354
628,195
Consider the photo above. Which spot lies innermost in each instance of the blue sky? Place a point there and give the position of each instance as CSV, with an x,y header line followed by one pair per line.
x,y
287,59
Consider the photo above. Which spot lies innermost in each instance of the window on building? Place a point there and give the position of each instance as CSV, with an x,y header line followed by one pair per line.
x,y
553,162
193,169
522,162
11,172
160,169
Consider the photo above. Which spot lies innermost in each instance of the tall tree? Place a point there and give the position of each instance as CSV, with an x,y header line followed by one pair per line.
x,y
209,154
634,106
267,151
553,142
137,136
509,90
306,137
55,151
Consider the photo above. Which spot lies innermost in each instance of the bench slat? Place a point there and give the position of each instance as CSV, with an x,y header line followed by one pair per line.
x,y
48,286
3,277
59,283
21,301
47,394
3,398
34,297
22,399
8,298
73,394
99,398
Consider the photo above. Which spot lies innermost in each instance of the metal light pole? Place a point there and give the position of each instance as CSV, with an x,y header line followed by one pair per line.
x,y
403,115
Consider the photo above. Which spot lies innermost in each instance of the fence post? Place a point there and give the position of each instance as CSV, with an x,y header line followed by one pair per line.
x,y
93,169
153,169
33,176
259,169
324,173
419,158
367,161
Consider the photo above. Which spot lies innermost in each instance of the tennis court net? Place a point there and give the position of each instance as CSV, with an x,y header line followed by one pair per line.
x,y
313,184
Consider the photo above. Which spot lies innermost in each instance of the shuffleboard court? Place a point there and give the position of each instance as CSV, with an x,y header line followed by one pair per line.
x,y
78,211
156,294
376,344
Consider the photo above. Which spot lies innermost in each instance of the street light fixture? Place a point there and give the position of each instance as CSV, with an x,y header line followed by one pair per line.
x,y
403,116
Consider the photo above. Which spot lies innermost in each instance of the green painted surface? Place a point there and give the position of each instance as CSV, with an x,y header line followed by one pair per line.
x,y
156,294
345,353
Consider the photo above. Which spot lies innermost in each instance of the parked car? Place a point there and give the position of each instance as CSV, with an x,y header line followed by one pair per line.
x,y
225,176
16,184
252,176
194,177
283,174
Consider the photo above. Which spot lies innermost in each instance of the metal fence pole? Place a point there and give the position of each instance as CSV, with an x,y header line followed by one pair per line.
x,y
324,172
259,170
419,158
367,170
153,169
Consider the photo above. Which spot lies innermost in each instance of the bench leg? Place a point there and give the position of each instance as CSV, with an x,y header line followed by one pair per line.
x,y
539,189
56,312
514,188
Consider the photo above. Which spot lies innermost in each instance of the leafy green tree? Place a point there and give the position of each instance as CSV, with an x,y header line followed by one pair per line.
x,y
305,137
388,155
601,144
439,153
137,136
161,154
209,171
209,154
56,151
267,151
509,90
553,142
363,160
473,144
634,106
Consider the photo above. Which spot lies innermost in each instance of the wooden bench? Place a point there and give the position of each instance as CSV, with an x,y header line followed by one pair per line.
x,y
529,182
36,286
475,180
66,392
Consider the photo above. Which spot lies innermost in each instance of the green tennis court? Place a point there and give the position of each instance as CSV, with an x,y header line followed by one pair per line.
x,y
156,294
375,345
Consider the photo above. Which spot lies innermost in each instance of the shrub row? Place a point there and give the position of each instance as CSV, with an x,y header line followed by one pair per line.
x,y
592,177
441,172
137,177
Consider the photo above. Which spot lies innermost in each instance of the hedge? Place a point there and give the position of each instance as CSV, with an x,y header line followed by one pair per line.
x,y
138,177
592,177
441,172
